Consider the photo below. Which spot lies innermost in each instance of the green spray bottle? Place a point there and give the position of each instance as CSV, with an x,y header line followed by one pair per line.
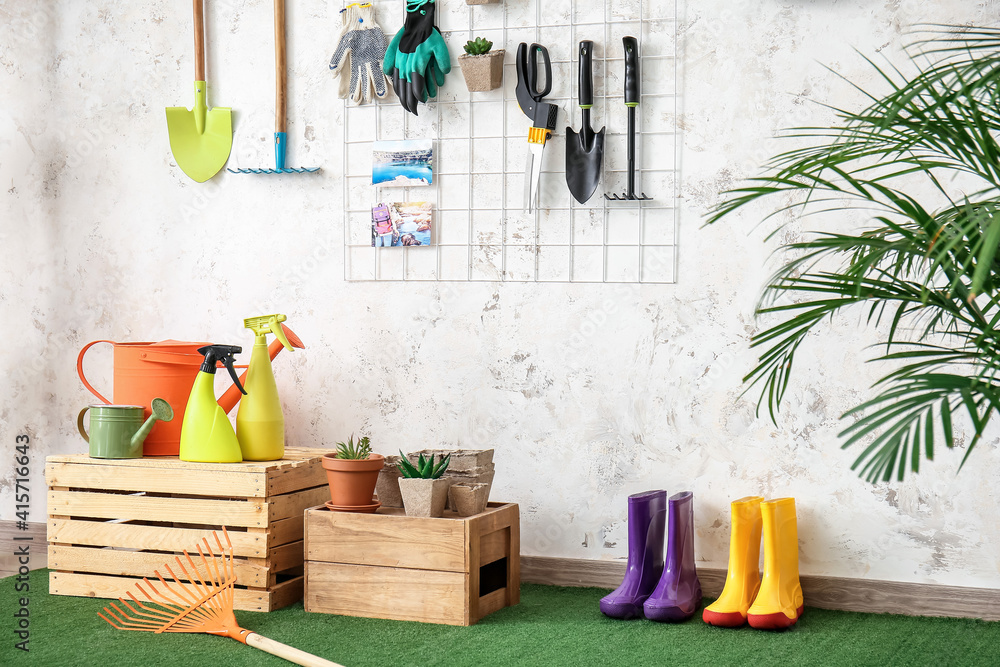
x,y
206,433
260,423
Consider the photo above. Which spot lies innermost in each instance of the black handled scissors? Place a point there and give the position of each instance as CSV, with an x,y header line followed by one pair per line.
x,y
542,114
529,96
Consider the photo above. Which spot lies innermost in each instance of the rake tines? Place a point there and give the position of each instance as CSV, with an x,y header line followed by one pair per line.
x,y
193,603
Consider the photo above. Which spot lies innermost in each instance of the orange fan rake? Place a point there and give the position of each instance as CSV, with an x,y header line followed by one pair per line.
x,y
200,601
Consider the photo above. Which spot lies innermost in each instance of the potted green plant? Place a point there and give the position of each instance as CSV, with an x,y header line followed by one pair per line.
x,y
351,472
423,489
926,262
466,466
481,67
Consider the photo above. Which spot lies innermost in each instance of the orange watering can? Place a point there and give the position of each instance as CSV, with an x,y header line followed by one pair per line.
x,y
144,371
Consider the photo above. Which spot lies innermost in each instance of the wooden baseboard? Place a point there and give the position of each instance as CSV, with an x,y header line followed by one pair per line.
x,y
37,548
865,595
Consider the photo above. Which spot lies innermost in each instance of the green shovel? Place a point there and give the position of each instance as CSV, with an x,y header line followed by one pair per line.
x,y
200,139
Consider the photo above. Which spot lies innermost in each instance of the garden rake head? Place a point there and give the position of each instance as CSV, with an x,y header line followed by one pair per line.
x,y
201,601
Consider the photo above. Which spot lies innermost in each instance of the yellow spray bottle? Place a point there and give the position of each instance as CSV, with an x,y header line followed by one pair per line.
x,y
206,434
260,424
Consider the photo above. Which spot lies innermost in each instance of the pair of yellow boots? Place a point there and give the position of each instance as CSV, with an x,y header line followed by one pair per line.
x,y
774,601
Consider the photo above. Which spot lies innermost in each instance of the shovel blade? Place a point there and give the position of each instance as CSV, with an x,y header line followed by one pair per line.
x,y
583,163
200,139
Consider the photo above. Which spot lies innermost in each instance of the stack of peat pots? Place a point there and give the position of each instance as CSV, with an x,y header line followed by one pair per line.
x,y
471,470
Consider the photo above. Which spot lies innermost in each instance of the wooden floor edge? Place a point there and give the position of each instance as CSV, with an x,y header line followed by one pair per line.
x,y
840,593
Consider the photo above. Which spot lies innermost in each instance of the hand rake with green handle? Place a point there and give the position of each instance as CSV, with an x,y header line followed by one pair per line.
x,y
201,603
280,102
200,139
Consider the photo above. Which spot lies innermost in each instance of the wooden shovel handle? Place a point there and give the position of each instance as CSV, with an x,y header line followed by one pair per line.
x,y
280,78
199,40
287,652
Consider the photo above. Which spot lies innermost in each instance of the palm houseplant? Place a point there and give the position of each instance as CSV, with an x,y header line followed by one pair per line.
x,y
351,472
924,269
423,489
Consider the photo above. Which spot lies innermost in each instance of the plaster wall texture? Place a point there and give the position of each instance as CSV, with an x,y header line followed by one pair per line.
x,y
587,392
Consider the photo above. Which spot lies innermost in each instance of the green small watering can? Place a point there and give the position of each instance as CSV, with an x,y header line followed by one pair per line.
x,y
117,431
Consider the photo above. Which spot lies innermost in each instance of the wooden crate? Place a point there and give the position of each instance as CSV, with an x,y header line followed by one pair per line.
x,y
113,521
451,570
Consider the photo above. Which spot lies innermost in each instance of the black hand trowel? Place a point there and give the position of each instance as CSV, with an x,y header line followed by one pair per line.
x,y
585,150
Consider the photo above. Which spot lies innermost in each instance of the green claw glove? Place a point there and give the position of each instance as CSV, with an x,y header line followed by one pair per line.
x,y
417,57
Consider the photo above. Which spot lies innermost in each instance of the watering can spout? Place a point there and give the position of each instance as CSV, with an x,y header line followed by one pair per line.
x,y
232,396
161,412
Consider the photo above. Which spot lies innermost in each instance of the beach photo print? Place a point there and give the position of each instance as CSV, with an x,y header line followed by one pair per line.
x,y
403,163
402,224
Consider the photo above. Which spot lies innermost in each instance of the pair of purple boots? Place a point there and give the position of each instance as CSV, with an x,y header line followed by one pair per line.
x,y
658,591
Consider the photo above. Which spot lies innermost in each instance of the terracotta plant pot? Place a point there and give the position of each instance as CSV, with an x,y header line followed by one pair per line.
x,y
352,481
387,486
424,497
484,72
468,499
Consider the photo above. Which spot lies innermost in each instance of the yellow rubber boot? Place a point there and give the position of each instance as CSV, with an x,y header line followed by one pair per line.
x,y
779,602
743,579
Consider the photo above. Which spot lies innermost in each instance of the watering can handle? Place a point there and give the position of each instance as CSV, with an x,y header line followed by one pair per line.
x,y
83,378
79,422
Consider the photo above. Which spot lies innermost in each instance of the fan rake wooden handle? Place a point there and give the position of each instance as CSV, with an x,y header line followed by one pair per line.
x,y
287,652
280,62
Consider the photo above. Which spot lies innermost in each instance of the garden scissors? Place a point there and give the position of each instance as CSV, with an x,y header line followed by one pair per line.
x,y
542,114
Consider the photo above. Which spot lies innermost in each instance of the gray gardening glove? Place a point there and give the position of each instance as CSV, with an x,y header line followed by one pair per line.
x,y
361,50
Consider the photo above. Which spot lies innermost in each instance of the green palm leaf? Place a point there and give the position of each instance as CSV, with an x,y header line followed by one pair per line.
x,y
925,269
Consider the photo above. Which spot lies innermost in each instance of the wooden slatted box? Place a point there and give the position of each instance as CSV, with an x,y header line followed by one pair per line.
x,y
113,521
451,570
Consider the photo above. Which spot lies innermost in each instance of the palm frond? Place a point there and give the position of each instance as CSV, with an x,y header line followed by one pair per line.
x,y
928,275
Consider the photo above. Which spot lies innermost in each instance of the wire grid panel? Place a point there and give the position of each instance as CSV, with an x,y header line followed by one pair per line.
x,y
480,230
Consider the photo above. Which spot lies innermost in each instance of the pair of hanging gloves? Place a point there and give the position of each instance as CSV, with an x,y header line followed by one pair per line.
x,y
360,50
416,60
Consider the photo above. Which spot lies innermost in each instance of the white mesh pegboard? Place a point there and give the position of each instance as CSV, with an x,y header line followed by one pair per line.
x,y
480,231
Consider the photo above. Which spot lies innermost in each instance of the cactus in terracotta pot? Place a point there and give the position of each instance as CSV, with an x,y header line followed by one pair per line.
x,y
481,67
351,472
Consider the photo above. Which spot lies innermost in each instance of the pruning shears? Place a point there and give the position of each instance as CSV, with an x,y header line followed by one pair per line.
x,y
542,114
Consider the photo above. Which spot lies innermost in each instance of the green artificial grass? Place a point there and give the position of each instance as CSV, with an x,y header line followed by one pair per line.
x,y
551,626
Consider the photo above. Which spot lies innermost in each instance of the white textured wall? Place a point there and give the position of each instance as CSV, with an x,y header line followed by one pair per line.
x,y
585,402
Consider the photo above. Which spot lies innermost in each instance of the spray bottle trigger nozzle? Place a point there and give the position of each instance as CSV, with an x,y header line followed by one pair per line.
x,y
228,361
278,330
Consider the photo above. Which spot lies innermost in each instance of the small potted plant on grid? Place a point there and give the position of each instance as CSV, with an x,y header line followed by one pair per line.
x,y
351,472
423,489
482,68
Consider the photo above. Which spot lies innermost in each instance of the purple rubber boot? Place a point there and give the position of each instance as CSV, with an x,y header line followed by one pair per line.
x,y
646,516
677,596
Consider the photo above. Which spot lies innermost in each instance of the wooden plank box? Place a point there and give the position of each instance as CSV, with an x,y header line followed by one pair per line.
x,y
114,521
451,570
